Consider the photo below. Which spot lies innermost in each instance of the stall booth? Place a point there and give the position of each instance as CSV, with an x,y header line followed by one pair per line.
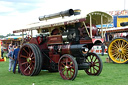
x,y
14,40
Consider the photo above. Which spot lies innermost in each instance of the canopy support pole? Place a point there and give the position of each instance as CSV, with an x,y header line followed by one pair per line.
x,y
31,33
86,28
22,38
90,26
101,26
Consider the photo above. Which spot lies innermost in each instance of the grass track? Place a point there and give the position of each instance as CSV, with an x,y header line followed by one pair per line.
x,y
112,74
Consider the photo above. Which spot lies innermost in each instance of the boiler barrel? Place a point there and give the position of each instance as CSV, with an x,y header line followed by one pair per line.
x,y
75,50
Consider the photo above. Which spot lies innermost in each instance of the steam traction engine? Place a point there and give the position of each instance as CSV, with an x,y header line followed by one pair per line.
x,y
118,46
62,46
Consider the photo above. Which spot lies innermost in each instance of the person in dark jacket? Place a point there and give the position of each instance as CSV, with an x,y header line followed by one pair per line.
x,y
103,48
2,52
15,55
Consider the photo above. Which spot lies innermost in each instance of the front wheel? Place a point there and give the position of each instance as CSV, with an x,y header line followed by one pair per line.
x,y
118,50
96,64
67,67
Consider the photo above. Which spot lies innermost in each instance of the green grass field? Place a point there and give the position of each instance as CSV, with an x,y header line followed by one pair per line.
x,y
112,74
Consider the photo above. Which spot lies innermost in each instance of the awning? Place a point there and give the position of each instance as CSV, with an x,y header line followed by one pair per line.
x,y
13,38
105,25
96,17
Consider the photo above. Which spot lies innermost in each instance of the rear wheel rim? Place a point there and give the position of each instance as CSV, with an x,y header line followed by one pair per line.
x,y
26,60
30,59
118,50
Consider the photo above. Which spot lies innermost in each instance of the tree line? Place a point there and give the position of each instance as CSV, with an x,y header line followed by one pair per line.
x,y
9,34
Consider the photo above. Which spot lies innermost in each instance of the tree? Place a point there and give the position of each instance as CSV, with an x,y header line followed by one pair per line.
x,y
1,36
10,35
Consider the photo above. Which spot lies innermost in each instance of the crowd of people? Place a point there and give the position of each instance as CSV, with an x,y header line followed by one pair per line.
x,y
13,54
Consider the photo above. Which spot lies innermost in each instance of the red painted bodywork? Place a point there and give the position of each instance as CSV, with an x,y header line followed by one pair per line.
x,y
55,39
62,49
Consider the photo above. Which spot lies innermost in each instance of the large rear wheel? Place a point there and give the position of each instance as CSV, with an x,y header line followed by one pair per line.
x,y
30,59
68,67
118,50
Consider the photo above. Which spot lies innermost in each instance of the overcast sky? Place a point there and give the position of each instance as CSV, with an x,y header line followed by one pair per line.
x,y
17,13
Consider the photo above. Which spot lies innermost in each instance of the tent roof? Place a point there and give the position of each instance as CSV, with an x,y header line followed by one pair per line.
x,y
96,17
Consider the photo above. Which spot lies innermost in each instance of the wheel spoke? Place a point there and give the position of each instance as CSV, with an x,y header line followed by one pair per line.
x,y
63,64
29,50
95,69
121,57
124,57
67,75
96,66
31,69
114,47
90,69
91,58
117,57
115,54
66,60
97,62
23,56
24,63
70,64
125,45
32,55
25,51
72,67
122,44
63,71
119,43
27,68
115,44
33,58
71,72
87,60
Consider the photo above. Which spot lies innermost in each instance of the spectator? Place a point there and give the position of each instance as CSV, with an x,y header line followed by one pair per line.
x,y
110,37
8,51
2,52
15,55
9,47
14,46
11,60
103,48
